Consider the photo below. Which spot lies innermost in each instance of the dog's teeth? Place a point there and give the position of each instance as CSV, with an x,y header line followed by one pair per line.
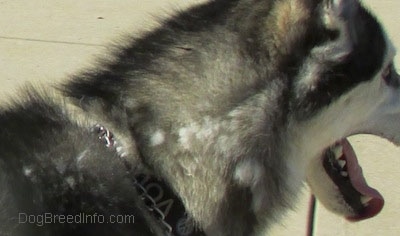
x,y
342,163
338,150
344,173
365,200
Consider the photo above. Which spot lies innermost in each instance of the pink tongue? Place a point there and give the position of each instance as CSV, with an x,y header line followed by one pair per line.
x,y
375,205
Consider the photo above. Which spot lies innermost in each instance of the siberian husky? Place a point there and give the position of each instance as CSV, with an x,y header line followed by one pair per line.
x,y
210,124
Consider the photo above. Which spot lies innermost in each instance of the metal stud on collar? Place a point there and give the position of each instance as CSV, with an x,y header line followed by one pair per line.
x,y
105,135
108,138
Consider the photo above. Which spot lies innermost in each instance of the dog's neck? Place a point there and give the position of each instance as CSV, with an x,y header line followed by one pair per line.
x,y
222,166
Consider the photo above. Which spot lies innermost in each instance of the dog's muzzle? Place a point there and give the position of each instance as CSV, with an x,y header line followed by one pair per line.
x,y
337,180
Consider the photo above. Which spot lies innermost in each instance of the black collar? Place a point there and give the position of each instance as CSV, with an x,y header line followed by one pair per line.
x,y
162,203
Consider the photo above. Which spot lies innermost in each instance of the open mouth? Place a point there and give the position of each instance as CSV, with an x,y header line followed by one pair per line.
x,y
339,184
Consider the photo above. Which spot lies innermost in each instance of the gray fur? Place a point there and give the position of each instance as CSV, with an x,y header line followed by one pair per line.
x,y
219,100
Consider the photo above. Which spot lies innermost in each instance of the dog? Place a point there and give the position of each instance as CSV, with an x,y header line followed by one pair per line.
x,y
210,124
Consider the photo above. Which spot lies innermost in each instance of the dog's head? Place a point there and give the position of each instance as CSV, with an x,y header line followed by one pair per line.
x,y
346,85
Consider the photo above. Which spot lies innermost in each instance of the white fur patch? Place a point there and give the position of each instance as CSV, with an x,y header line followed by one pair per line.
x,y
71,181
157,138
248,172
207,130
27,171
251,174
186,135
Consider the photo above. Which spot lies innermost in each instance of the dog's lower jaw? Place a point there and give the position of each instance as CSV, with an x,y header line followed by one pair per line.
x,y
325,189
336,179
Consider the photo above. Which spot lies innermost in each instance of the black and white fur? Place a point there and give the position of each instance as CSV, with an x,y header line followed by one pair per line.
x,y
231,102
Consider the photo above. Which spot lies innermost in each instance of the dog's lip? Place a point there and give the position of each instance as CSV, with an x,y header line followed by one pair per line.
x,y
358,181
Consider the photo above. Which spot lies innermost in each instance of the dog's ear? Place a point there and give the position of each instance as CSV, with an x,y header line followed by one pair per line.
x,y
335,12
338,16
339,36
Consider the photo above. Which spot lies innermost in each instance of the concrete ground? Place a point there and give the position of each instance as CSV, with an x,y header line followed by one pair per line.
x,y
46,41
